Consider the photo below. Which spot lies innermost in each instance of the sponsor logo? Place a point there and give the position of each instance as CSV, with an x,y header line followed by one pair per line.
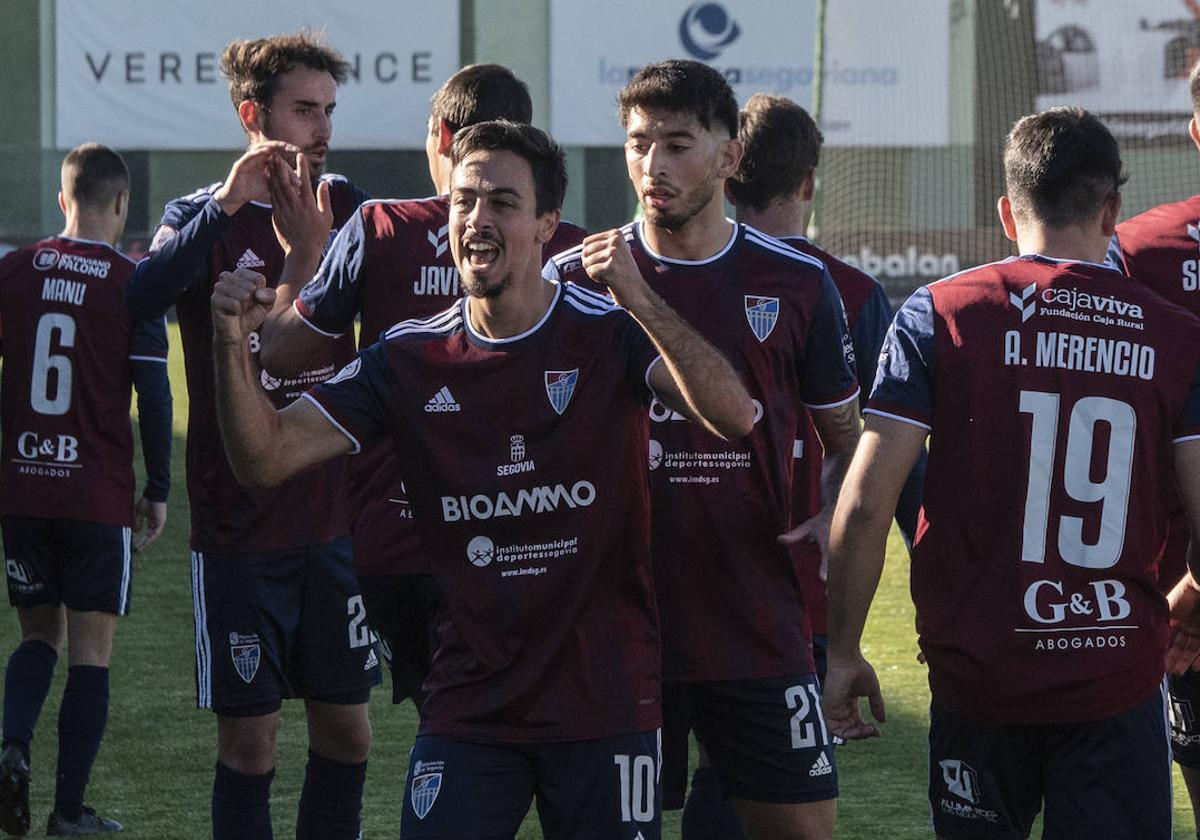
x,y
269,382
249,259
348,372
481,551
1025,303
45,259
656,454
762,313
543,499
560,386
425,790
1046,602
821,767
516,453
84,265
439,239
372,660
908,263
442,401
1074,303
17,571
961,780
246,652
707,28
62,449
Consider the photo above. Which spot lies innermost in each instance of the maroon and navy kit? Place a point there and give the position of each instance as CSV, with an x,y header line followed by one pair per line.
x,y
391,262
521,455
1054,390
727,590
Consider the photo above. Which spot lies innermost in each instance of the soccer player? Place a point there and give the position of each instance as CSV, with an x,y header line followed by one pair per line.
x,y
1058,395
278,611
72,351
1161,249
737,657
545,681
391,262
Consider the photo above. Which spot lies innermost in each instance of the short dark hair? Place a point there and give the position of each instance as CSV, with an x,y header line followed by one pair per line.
x,y
544,156
781,144
1060,166
478,93
253,67
92,175
685,87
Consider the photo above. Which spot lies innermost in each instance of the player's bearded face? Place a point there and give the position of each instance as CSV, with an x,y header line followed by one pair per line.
x,y
301,113
494,227
673,165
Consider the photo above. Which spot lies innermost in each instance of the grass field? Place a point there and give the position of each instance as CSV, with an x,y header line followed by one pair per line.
x,y
155,768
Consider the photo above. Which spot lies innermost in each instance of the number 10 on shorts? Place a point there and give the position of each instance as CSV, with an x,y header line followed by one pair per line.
x,y
637,787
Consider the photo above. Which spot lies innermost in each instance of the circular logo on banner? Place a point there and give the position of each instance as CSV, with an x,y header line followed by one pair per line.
x,y
706,28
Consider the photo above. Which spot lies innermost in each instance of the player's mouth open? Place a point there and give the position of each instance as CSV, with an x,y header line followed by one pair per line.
x,y
481,254
657,196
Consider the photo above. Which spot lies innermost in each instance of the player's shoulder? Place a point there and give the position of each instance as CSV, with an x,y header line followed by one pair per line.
x,y
179,211
439,327
1175,217
776,253
587,302
846,277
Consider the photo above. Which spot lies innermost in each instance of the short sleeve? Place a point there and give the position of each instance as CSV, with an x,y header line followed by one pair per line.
x,y
904,378
827,378
329,302
354,400
639,353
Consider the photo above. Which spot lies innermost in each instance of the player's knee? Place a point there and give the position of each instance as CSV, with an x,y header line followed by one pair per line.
x,y
247,745
340,733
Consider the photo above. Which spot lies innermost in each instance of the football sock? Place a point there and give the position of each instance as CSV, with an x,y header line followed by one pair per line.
x,y
241,805
26,684
331,802
708,813
81,720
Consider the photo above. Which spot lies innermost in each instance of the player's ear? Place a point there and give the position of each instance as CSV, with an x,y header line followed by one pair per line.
x,y
1194,132
547,224
730,158
808,187
251,114
122,203
62,202
1007,220
1110,214
445,138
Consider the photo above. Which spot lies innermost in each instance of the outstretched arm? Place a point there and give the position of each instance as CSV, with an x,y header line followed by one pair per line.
x,y
695,379
264,446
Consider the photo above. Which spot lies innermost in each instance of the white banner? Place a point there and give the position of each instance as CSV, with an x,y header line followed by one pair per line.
x,y
143,74
886,64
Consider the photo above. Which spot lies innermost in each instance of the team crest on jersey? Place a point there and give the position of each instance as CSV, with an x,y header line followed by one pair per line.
x,y
45,259
560,385
247,654
425,790
762,313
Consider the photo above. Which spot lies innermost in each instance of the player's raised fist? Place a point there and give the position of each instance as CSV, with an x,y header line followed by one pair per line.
x,y
247,180
240,303
608,260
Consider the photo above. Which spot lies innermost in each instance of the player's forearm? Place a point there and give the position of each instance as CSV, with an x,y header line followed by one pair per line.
x,y
159,279
288,344
154,425
857,545
709,387
248,421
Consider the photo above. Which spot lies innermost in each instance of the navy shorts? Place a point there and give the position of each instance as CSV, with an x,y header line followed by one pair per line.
x,y
401,609
1185,729
606,789
279,625
1109,778
85,565
766,738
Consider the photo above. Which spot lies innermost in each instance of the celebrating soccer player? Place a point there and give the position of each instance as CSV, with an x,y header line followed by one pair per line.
x,y
737,658
519,417
1057,396
272,577
389,263
72,351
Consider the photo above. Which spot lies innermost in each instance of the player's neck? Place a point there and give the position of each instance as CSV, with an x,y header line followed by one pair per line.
x,y
514,311
80,226
701,237
1070,243
781,218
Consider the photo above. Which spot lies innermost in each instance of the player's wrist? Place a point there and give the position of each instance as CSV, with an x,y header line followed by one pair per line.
x,y
227,201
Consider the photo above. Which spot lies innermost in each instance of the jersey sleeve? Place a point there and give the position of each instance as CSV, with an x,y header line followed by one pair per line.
x,y
189,228
329,302
353,399
639,353
867,337
827,379
904,380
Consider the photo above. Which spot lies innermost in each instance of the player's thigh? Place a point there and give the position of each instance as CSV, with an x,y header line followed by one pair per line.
x,y
786,821
458,790
1111,778
767,739
331,657
247,607
603,789
90,637
985,780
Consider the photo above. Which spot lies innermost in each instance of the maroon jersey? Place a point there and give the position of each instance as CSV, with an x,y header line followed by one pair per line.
x,y
728,592
196,239
1161,249
66,381
526,466
391,262
1054,390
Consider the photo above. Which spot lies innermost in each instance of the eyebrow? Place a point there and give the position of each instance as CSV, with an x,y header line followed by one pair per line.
x,y
681,133
494,191
311,103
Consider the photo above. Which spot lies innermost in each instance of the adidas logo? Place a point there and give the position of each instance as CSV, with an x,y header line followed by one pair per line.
x,y
442,401
822,766
372,660
249,259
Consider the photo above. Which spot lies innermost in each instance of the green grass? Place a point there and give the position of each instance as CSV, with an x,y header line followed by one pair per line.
x,y
154,772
